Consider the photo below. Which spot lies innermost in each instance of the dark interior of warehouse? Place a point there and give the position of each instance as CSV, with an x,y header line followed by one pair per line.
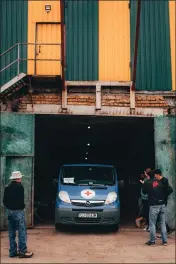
x,y
127,143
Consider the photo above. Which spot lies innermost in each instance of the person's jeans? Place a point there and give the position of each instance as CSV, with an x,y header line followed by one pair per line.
x,y
154,212
16,222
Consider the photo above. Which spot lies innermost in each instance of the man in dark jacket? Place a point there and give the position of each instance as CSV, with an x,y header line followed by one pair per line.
x,y
157,190
14,203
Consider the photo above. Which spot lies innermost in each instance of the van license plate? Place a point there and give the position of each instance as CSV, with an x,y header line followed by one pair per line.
x,y
85,215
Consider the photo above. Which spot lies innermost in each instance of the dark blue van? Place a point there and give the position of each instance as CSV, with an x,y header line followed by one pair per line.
x,y
87,194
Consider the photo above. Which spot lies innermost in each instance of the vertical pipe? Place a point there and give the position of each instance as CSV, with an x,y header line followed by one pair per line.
x,y
18,70
62,7
136,45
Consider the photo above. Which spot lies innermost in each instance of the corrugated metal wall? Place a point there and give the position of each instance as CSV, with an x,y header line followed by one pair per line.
x,y
154,57
17,153
81,19
114,41
172,16
13,19
44,34
97,46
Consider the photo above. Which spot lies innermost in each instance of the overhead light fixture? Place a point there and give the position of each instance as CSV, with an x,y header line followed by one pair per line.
x,y
48,8
85,158
88,144
89,127
87,153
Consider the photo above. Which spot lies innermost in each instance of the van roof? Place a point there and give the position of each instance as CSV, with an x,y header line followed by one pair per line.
x,y
87,165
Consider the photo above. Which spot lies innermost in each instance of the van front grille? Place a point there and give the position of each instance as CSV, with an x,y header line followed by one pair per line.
x,y
88,204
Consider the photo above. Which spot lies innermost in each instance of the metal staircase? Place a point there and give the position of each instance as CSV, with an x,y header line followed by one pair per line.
x,y
13,71
12,77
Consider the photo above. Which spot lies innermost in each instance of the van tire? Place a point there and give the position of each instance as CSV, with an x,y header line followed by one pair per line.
x,y
57,227
115,228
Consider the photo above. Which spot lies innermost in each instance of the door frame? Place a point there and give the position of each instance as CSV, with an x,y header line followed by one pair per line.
x,y
35,49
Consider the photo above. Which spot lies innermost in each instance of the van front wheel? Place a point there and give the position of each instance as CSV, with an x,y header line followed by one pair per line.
x,y
115,228
57,227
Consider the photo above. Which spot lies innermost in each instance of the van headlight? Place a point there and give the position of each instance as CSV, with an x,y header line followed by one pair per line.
x,y
111,198
63,196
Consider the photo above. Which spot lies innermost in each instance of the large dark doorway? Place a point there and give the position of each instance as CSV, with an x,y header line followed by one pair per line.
x,y
127,143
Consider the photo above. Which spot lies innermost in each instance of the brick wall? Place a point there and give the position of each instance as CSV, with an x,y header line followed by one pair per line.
x,y
119,100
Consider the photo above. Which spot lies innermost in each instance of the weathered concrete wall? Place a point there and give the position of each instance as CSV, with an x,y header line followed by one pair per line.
x,y
165,153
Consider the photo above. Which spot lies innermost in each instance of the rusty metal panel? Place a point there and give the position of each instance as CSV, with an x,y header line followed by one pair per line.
x,y
154,54
17,153
81,18
165,155
172,19
2,185
114,41
25,165
13,16
38,14
17,134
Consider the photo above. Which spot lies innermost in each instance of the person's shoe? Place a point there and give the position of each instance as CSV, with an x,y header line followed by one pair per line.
x,y
138,222
149,243
164,244
15,255
170,232
159,237
25,255
146,229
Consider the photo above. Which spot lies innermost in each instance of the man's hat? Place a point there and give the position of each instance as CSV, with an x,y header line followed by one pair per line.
x,y
16,175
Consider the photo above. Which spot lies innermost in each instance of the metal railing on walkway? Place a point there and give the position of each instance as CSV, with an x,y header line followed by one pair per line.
x,y
19,55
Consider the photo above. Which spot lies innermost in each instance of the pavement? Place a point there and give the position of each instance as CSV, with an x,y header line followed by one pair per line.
x,y
82,245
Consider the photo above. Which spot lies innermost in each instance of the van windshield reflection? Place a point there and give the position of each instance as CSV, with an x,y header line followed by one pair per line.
x,y
85,175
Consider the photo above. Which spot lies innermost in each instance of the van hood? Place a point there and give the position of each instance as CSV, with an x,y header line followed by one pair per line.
x,y
87,192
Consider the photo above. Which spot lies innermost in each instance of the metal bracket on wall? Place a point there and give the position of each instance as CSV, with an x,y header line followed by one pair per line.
x,y
132,99
98,97
64,99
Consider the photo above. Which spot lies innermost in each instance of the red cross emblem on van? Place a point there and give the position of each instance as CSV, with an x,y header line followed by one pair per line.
x,y
88,194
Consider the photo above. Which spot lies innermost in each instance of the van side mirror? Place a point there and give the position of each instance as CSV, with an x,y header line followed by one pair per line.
x,y
121,183
55,181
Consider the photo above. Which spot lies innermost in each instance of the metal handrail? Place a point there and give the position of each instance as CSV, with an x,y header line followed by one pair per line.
x,y
26,59
8,49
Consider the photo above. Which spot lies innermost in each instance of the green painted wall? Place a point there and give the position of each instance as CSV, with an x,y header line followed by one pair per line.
x,y
17,153
17,132
81,18
154,56
13,28
165,155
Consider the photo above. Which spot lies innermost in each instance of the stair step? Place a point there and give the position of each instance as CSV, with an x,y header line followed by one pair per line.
x,y
12,82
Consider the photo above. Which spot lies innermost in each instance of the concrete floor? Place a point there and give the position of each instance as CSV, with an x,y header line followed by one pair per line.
x,y
87,246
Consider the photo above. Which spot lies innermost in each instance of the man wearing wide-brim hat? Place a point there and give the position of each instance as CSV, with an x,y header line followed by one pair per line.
x,y
14,202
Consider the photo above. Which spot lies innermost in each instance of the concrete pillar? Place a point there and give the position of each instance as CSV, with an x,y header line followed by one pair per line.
x,y
165,158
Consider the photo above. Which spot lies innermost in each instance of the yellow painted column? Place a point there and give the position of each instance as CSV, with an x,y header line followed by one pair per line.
x,y
48,31
172,13
114,41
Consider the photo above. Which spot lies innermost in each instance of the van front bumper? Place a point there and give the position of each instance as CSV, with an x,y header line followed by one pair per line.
x,y
70,217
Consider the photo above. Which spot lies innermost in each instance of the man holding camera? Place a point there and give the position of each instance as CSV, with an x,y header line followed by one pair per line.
x,y
157,190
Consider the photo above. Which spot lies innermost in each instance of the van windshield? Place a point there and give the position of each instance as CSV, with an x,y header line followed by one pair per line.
x,y
85,175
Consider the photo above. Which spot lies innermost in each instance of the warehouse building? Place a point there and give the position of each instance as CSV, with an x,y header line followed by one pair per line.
x,y
87,81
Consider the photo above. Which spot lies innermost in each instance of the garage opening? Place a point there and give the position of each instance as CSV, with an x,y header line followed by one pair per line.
x,y
127,143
